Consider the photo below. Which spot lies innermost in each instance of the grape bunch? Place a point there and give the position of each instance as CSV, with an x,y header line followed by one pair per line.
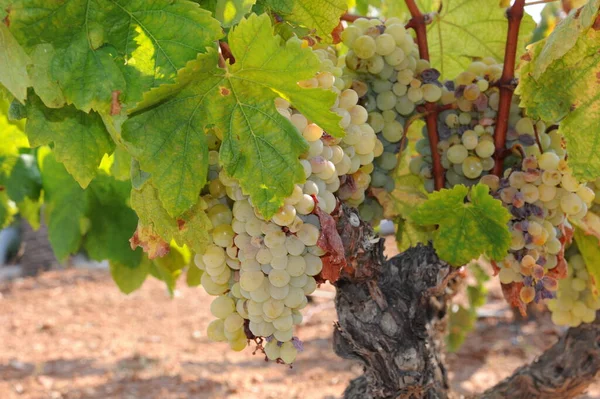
x,y
537,186
383,66
575,302
465,130
262,270
541,195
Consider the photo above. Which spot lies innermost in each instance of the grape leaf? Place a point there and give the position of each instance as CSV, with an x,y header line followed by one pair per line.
x,y
589,247
151,242
169,268
409,234
44,85
230,12
30,211
121,166
104,46
321,15
80,139
7,210
13,65
260,147
129,279
398,9
191,228
13,139
468,29
559,80
108,237
138,176
25,180
550,16
466,230
66,205
193,276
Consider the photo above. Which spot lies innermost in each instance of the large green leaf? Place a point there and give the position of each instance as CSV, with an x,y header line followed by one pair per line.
x,y
129,279
13,65
12,140
66,206
559,82
394,8
25,180
321,15
260,147
191,228
468,29
41,79
80,139
170,267
103,46
466,230
112,222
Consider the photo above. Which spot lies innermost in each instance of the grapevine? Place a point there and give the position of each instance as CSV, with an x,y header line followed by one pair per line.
x,y
257,147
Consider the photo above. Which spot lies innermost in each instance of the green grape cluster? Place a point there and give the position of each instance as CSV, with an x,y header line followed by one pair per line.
x,y
575,303
383,66
465,131
262,270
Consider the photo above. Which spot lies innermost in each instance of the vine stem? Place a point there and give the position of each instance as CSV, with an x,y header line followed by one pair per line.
x,y
418,23
351,17
514,15
226,52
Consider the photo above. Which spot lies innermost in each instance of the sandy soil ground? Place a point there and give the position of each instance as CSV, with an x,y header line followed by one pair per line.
x,y
73,335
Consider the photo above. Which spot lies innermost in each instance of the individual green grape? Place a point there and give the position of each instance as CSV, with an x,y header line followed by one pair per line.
x,y
457,154
472,167
288,352
216,331
222,306
251,280
364,46
431,92
385,44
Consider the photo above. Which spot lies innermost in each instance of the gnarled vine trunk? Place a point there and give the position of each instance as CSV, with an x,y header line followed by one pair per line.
x,y
390,313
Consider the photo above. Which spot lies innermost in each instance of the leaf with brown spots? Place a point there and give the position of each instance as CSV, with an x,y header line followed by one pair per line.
x,y
115,105
334,261
150,242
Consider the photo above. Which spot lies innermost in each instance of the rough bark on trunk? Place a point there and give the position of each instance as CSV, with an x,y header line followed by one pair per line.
x,y
561,372
387,318
390,312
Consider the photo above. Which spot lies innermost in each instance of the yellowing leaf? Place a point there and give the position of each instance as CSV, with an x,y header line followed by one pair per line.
x,y
103,46
468,29
260,147
192,228
559,82
321,15
80,139
466,230
13,65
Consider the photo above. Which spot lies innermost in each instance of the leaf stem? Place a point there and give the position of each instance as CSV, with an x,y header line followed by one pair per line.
x,y
418,23
352,17
226,52
506,83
